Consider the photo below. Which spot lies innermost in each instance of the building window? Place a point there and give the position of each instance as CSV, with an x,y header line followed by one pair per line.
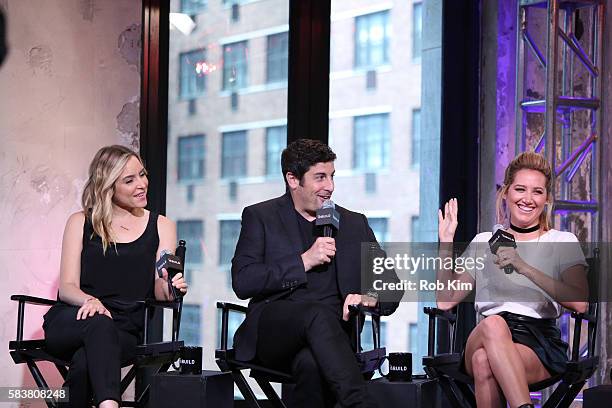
x,y
372,33
228,237
416,137
233,154
371,142
379,227
417,30
191,157
193,7
233,322
192,74
190,324
235,65
367,341
276,140
277,57
192,231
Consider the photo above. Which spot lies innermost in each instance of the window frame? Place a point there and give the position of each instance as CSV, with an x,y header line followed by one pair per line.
x,y
366,63
243,64
193,9
242,160
281,56
180,146
363,147
196,94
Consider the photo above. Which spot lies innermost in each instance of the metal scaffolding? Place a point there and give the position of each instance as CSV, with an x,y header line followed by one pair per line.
x,y
563,119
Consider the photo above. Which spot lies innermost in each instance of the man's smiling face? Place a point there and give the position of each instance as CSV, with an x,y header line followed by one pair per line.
x,y
316,186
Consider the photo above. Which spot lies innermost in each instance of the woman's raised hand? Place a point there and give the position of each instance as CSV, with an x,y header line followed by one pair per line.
x,y
447,221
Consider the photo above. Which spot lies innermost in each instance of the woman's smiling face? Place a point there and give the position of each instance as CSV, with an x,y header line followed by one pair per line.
x,y
526,198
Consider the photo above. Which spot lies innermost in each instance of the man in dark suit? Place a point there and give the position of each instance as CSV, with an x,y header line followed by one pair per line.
x,y
301,283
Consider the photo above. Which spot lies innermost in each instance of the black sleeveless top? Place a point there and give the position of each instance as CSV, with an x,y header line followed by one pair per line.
x,y
124,272
122,275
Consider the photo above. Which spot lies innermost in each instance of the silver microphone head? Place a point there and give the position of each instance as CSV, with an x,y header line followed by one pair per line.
x,y
497,227
328,204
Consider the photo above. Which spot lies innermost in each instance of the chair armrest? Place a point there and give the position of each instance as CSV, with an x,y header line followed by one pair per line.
x,y
175,305
23,299
584,316
33,300
357,312
226,308
231,306
434,312
166,304
367,310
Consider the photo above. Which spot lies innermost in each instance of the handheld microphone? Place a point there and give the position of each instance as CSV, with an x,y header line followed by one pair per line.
x,y
173,264
328,217
499,239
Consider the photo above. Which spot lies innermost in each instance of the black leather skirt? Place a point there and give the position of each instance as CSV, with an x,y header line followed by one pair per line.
x,y
542,336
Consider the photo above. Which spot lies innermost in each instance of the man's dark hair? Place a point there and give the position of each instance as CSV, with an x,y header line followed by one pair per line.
x,y
301,154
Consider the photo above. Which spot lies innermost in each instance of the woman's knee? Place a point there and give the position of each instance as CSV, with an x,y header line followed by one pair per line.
x,y
494,328
100,327
481,368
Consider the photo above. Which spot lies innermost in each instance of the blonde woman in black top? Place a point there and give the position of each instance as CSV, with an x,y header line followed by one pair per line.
x,y
108,264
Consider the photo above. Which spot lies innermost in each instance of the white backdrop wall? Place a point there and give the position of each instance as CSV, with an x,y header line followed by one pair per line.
x,y
69,85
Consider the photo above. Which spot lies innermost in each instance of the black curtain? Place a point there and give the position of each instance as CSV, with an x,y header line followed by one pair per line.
x,y
308,93
460,127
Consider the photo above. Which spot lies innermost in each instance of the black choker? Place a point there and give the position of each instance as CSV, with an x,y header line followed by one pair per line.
x,y
524,230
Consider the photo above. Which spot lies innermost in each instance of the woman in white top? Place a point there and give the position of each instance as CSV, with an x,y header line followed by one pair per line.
x,y
517,343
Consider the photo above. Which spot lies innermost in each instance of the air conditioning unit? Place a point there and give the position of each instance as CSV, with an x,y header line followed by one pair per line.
x,y
190,193
233,190
193,107
370,183
371,79
234,100
235,12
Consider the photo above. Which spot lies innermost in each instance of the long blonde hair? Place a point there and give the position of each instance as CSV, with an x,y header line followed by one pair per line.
x,y
97,198
530,161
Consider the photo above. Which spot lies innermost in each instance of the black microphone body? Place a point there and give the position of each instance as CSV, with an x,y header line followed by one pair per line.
x,y
173,264
328,218
499,239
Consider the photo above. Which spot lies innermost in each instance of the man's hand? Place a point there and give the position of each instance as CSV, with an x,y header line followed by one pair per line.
x,y
90,307
353,299
322,251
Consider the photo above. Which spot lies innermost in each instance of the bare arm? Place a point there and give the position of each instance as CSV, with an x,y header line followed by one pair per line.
x,y
70,271
447,226
571,291
70,266
167,241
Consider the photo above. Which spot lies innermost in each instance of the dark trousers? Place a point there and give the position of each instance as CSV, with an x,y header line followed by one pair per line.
x,y
96,349
308,339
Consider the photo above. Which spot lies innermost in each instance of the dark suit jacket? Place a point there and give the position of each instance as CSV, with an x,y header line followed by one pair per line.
x,y
267,264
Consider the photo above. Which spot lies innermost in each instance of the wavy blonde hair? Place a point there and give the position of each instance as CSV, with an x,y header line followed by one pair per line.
x,y
97,198
529,161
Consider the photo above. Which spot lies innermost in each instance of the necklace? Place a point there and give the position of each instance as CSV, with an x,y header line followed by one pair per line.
x,y
124,227
524,230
